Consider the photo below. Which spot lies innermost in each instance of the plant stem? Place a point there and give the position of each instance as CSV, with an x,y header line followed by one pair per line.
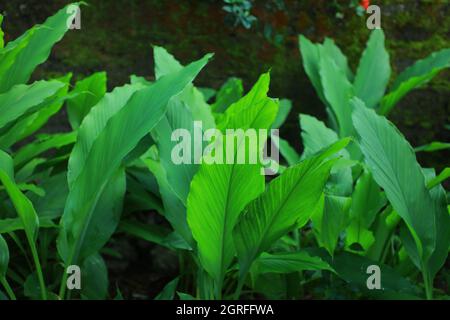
x,y
8,289
428,284
241,281
62,288
40,275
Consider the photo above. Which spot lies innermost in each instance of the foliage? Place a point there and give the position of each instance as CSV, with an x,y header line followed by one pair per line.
x,y
355,197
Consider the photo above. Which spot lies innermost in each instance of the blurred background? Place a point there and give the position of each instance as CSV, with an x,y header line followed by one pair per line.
x,y
248,38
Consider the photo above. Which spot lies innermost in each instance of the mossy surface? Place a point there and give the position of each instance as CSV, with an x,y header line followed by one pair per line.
x,y
116,36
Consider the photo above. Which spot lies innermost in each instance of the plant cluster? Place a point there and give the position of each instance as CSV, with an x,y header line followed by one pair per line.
x,y
356,196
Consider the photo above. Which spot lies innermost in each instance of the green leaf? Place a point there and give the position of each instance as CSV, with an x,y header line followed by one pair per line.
x,y
442,221
287,202
219,192
338,91
433,146
230,92
2,42
27,125
335,209
288,152
415,76
168,292
91,90
148,232
367,201
373,71
311,63
94,124
174,209
444,175
332,50
353,269
33,149
179,175
315,135
289,262
4,257
96,170
23,206
283,112
165,64
22,99
394,167
31,49
94,278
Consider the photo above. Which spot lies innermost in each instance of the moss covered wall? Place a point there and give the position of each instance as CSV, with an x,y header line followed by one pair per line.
x,y
116,36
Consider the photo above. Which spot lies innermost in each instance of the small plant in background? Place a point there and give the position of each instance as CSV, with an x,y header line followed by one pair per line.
x,y
239,12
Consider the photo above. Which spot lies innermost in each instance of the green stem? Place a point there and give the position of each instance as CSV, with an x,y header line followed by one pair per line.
x,y
428,282
40,275
241,281
62,288
8,289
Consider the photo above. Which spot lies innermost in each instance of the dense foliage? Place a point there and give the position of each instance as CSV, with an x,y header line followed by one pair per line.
x,y
355,197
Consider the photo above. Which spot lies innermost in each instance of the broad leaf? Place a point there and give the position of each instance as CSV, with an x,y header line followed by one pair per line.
x,y
220,191
96,168
289,262
373,71
335,209
230,92
394,167
415,76
22,99
288,202
91,90
337,91
31,49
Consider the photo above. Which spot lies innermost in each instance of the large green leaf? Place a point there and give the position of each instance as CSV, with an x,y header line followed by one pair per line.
x,y
31,49
394,167
288,202
22,204
373,71
353,269
165,64
337,91
283,112
95,170
174,209
333,51
367,200
30,123
43,144
230,92
316,136
219,192
311,63
415,76
94,124
329,222
4,257
91,90
94,278
289,262
23,98
179,175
